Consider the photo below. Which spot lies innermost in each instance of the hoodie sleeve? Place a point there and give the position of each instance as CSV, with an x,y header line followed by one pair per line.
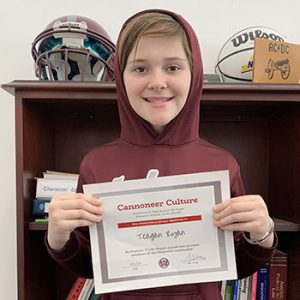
x,y
76,254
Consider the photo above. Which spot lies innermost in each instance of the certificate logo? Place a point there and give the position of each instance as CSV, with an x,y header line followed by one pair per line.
x,y
163,263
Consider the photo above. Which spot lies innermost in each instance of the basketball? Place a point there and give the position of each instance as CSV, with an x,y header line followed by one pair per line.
x,y
235,60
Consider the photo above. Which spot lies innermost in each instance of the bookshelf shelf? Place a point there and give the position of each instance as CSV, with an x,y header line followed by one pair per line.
x,y
286,226
37,226
57,123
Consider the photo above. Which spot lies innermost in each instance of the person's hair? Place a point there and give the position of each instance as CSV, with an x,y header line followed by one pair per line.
x,y
150,24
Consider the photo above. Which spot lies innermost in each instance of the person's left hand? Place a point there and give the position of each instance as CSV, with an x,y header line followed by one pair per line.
x,y
247,213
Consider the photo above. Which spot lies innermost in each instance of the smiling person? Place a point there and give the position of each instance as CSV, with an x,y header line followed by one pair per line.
x,y
159,79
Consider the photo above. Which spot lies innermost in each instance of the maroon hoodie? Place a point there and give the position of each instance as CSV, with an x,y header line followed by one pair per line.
x,y
177,150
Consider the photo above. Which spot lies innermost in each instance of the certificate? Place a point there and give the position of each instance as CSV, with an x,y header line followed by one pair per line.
x,y
160,232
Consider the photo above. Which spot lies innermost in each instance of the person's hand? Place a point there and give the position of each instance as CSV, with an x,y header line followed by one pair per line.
x,y
69,211
245,213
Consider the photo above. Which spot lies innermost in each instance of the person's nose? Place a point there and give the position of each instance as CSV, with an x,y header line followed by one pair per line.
x,y
157,81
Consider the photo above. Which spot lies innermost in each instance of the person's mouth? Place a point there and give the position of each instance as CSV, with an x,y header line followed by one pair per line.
x,y
158,99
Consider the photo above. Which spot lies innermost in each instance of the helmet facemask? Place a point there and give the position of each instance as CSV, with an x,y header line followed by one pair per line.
x,y
72,64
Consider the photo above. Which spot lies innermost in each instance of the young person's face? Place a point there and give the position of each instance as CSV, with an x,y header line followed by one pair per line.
x,y
157,79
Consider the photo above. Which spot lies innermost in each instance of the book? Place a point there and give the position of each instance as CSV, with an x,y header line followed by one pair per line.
x,y
229,290
244,288
47,188
76,288
235,293
51,184
263,282
41,220
87,289
253,286
278,276
223,286
59,175
40,206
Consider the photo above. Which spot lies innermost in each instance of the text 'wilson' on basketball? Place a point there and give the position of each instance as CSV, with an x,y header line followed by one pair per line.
x,y
244,37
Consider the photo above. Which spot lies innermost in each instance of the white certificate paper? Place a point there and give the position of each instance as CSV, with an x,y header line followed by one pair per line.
x,y
160,232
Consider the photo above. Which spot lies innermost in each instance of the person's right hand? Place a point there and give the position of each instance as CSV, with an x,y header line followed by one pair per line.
x,y
69,211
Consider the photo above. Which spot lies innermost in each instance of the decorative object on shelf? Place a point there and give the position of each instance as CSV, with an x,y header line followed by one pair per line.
x,y
235,60
73,48
276,62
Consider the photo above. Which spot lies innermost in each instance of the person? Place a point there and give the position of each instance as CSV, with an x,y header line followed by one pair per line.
x,y
159,79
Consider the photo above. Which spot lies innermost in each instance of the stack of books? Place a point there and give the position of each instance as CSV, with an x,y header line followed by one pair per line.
x,y
268,283
82,289
51,184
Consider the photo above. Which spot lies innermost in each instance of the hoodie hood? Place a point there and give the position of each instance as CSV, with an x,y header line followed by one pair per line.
x,y
182,129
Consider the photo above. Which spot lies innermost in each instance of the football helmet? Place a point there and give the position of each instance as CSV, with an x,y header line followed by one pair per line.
x,y
73,48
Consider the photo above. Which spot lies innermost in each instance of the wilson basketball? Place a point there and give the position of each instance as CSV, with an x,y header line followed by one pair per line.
x,y
235,60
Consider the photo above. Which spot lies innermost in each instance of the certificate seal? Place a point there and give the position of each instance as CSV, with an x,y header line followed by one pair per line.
x,y
163,263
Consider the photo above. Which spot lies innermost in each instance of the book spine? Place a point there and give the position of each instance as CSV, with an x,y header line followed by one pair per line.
x,y
86,290
245,285
47,188
59,175
253,286
223,286
90,290
263,282
40,207
236,290
229,290
76,289
278,276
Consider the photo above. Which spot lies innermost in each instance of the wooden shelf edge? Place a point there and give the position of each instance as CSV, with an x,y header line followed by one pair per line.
x,y
38,226
283,225
210,90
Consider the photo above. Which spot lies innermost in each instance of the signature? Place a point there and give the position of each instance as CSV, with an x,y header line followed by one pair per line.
x,y
134,264
192,258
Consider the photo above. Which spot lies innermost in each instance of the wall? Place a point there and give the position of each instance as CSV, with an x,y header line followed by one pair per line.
x,y
21,20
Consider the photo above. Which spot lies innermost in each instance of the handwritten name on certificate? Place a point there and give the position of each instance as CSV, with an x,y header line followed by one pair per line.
x,y
160,231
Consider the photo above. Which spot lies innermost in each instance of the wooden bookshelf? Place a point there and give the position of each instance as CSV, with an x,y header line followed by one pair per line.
x,y
57,123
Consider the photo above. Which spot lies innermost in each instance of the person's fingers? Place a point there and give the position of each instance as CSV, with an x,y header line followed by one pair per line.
x,y
78,201
81,214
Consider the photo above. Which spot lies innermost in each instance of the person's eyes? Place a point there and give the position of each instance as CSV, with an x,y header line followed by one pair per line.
x,y
140,69
173,68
